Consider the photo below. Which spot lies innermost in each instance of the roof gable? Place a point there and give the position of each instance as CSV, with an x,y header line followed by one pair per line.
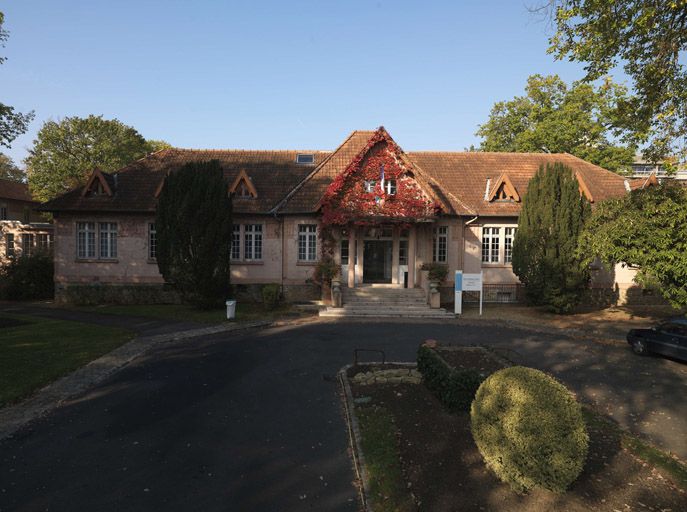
x,y
504,190
243,185
96,185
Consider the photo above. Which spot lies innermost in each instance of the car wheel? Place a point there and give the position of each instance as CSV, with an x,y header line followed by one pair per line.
x,y
639,347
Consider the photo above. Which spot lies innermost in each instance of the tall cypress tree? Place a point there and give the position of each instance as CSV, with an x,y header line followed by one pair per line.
x,y
545,250
194,228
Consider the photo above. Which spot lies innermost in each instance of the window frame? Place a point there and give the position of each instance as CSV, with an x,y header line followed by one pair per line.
x,y
504,244
307,243
255,235
235,242
152,241
10,248
108,233
3,211
390,187
440,233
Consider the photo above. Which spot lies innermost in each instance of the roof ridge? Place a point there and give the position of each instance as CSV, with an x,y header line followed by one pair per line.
x,y
237,150
437,152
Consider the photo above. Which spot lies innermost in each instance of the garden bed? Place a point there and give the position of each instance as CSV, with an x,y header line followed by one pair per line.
x,y
419,456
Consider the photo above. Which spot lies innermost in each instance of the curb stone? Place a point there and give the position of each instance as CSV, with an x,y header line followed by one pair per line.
x,y
354,431
14,417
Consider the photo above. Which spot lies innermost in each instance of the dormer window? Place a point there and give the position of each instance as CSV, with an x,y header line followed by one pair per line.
x,y
305,158
390,187
503,190
243,187
97,185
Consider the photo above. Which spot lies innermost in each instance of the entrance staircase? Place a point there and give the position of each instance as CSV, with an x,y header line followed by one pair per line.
x,y
384,301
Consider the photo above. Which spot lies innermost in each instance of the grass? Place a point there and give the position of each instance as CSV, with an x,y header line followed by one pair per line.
x,y
387,492
36,353
673,468
245,311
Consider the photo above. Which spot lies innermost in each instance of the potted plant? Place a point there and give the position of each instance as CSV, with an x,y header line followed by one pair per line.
x,y
437,273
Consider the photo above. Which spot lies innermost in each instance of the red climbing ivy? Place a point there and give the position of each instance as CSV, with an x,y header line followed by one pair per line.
x,y
347,202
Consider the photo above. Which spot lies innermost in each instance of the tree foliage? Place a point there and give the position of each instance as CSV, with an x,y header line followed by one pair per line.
x,y
648,38
193,226
66,152
559,119
12,123
545,249
647,229
8,169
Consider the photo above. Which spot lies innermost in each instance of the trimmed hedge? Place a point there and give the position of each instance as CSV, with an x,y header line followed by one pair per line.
x,y
28,278
455,388
530,430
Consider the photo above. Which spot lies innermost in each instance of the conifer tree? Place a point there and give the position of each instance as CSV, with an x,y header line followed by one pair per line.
x,y
194,228
545,250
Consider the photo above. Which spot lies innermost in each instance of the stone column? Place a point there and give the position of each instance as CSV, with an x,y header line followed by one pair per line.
x,y
394,256
352,233
412,242
360,235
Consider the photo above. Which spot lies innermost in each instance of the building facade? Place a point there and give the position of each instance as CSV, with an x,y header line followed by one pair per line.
x,y
382,214
23,230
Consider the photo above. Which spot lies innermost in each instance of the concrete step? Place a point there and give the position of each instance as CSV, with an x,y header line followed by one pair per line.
x,y
429,313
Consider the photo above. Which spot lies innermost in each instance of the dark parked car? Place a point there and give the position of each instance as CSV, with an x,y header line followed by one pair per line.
x,y
668,338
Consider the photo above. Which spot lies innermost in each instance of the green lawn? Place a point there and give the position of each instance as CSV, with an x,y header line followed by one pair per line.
x,y
41,351
245,311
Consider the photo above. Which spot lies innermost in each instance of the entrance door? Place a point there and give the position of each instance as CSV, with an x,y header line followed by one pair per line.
x,y
377,261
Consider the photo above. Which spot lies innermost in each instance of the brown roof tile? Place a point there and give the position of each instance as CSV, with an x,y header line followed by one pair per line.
x,y
273,173
14,190
464,175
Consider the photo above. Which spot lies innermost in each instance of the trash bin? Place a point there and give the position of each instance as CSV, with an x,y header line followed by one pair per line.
x,y
231,309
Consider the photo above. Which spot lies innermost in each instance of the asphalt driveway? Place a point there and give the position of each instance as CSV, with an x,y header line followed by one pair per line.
x,y
253,421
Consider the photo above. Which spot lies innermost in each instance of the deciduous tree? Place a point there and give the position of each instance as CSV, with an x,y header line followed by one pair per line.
x,y
8,169
555,118
647,229
194,228
545,251
66,152
12,123
648,39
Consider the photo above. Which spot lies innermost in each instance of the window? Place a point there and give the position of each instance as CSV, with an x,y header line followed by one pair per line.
x,y
236,242
152,241
108,240
369,185
497,244
243,191
44,242
440,246
344,251
253,242
305,158
3,211
390,187
508,244
27,215
27,243
9,245
307,242
85,240
490,245
403,252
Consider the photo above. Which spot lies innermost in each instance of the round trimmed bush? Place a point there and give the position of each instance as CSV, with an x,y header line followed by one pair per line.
x,y
529,429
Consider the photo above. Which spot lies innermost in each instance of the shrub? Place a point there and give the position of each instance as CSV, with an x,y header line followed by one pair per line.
x,y
529,429
326,270
455,388
437,271
270,296
28,278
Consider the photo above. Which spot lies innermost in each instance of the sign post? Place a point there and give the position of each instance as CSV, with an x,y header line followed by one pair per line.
x,y
468,283
458,302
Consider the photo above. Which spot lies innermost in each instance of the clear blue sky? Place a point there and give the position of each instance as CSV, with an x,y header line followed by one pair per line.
x,y
273,74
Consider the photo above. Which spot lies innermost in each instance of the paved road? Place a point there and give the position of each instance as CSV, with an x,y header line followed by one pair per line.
x,y
252,422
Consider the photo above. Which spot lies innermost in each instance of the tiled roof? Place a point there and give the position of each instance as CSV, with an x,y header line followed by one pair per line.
x,y
307,196
465,175
273,173
14,191
459,181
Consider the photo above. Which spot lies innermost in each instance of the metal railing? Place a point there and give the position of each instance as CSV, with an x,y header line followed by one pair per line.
x,y
497,293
